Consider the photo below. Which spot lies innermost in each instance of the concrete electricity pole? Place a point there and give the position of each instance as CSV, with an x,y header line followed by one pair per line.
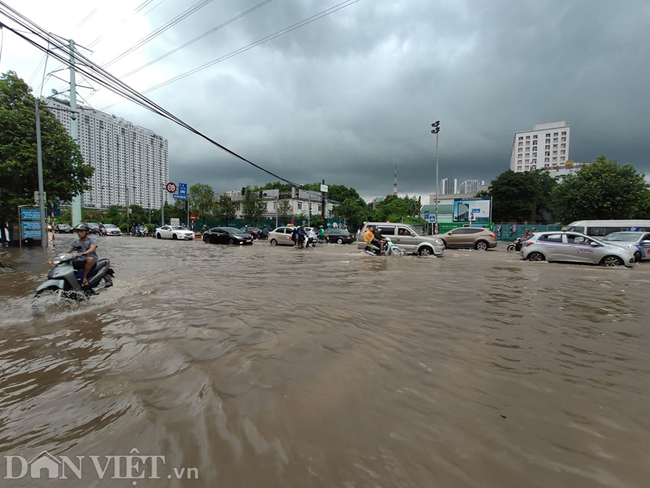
x,y
74,131
41,193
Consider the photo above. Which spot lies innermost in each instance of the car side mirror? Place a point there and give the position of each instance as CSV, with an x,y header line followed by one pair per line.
x,y
594,244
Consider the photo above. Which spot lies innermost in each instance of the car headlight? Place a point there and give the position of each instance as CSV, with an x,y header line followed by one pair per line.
x,y
437,242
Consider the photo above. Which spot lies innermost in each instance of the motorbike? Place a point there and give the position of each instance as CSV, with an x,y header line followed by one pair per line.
x,y
390,249
65,280
515,246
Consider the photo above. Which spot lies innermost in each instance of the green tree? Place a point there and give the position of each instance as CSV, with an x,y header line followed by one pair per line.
x,y
601,190
253,207
226,210
201,200
64,172
354,211
395,208
521,197
284,209
114,215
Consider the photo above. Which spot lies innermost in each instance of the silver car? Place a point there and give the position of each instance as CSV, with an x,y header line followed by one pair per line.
x,y
638,243
574,248
407,238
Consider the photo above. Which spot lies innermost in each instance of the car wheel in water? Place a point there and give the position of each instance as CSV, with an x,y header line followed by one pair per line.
x,y
174,237
536,256
274,242
444,243
612,261
481,246
232,241
339,241
425,251
637,257
158,235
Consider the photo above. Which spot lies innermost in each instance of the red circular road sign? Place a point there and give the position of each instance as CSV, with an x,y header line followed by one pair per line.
x,y
192,217
171,187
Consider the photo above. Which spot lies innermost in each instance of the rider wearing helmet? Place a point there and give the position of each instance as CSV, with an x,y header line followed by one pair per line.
x,y
85,248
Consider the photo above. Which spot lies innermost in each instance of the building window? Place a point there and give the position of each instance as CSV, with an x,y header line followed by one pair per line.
x,y
534,137
534,143
564,133
564,139
527,137
520,150
555,133
555,139
521,138
546,160
527,161
521,144
299,205
554,159
548,135
563,145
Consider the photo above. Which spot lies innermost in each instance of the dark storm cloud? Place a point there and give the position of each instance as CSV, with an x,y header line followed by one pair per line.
x,y
349,96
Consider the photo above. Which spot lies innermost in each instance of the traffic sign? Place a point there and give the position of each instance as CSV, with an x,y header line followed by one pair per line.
x,y
182,189
426,215
178,196
432,219
192,217
170,187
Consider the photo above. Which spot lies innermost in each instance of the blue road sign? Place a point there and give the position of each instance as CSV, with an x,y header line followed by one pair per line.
x,y
31,225
30,214
31,234
432,219
426,215
182,189
178,196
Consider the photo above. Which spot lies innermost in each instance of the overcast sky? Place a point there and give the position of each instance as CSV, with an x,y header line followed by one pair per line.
x,y
347,97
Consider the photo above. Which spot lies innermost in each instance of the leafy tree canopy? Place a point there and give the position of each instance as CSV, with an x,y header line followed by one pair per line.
x,y
521,196
601,190
64,172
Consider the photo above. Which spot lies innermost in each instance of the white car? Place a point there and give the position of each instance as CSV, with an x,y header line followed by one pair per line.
x,y
174,232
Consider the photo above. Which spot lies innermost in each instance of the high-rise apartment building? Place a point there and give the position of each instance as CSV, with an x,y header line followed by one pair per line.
x,y
131,163
544,147
470,186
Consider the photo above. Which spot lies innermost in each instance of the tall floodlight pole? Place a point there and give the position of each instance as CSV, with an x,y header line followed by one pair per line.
x,y
74,131
435,130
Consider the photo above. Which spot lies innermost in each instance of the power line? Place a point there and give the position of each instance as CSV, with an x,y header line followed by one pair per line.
x,y
220,26
179,18
250,46
104,78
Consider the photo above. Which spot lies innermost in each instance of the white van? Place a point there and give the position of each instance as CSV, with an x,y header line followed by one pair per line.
x,y
601,228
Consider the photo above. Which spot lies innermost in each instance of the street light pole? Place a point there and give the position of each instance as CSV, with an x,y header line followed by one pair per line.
x,y
435,130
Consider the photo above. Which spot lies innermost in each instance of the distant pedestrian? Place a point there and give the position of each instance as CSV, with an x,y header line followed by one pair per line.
x,y
294,236
527,235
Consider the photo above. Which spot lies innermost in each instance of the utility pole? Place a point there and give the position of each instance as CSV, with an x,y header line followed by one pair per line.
x,y
74,132
41,193
323,204
162,206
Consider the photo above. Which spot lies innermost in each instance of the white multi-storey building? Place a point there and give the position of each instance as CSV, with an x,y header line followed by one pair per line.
x,y
544,147
131,163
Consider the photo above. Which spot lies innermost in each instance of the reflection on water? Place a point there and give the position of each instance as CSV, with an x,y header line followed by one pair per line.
x,y
276,367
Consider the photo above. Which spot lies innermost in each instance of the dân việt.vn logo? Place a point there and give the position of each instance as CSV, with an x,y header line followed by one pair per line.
x,y
131,467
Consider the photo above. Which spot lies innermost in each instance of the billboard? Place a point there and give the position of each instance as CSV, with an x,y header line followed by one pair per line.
x,y
478,209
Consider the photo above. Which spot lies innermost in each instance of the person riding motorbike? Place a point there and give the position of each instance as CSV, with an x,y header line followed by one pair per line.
x,y
368,236
378,240
85,248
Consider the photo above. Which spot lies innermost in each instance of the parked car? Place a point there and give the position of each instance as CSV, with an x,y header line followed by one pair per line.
x,y
227,235
338,236
256,232
282,236
574,247
63,229
174,232
94,228
407,238
479,238
112,230
636,242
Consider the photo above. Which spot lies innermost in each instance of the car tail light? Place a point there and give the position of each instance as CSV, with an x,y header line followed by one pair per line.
x,y
349,236
529,243
494,236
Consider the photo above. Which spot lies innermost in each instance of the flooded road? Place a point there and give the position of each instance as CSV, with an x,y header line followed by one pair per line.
x,y
274,367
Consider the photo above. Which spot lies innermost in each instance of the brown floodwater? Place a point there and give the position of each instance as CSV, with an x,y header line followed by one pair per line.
x,y
275,367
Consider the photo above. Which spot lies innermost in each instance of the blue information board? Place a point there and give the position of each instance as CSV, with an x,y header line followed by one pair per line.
x,y
30,214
